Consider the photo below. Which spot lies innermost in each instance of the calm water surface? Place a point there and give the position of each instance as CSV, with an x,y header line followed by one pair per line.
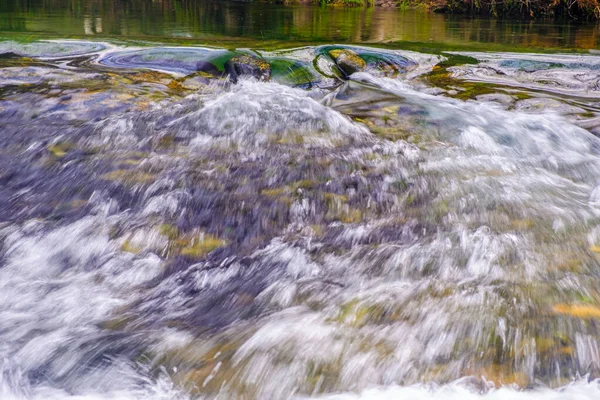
x,y
253,23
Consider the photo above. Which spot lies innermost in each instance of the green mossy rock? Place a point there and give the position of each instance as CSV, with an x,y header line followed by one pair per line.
x,y
247,64
347,61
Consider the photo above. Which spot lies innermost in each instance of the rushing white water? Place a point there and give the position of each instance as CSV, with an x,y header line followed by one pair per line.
x,y
575,75
366,239
577,391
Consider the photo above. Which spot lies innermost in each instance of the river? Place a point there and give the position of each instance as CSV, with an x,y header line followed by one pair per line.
x,y
233,200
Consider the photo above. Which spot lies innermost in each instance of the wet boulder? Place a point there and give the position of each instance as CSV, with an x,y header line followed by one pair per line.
x,y
232,65
347,61
247,65
356,59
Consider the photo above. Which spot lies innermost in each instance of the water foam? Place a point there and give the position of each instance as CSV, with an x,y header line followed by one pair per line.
x,y
579,390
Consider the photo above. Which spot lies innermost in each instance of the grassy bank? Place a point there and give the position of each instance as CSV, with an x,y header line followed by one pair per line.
x,y
572,9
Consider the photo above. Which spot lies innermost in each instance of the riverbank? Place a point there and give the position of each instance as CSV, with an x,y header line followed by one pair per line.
x,y
530,9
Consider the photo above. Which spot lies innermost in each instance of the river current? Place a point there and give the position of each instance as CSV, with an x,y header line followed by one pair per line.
x,y
338,222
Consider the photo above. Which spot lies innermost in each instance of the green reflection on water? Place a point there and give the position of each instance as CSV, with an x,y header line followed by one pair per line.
x,y
268,25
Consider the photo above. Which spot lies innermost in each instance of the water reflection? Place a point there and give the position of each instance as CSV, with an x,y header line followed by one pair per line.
x,y
92,26
268,22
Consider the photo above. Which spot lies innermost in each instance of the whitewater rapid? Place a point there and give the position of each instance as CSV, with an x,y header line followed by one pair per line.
x,y
171,235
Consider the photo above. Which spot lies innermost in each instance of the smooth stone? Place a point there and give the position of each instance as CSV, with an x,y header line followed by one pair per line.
x,y
348,61
247,64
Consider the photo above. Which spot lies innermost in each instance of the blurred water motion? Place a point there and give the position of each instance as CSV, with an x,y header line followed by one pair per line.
x,y
343,222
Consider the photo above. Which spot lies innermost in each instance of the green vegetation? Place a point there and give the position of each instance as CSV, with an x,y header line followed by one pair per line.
x,y
574,9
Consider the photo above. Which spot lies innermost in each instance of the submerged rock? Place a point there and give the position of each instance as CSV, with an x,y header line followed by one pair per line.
x,y
9,55
387,64
293,73
11,59
208,68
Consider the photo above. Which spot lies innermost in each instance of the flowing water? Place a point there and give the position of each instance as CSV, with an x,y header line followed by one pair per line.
x,y
416,220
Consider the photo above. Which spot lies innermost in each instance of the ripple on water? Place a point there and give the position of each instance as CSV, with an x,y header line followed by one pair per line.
x,y
52,49
183,60
575,75
40,75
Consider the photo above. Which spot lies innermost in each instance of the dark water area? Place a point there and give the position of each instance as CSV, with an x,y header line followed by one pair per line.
x,y
260,23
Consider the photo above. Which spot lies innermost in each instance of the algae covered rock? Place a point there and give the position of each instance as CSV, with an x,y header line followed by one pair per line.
x,y
247,64
347,61
356,59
